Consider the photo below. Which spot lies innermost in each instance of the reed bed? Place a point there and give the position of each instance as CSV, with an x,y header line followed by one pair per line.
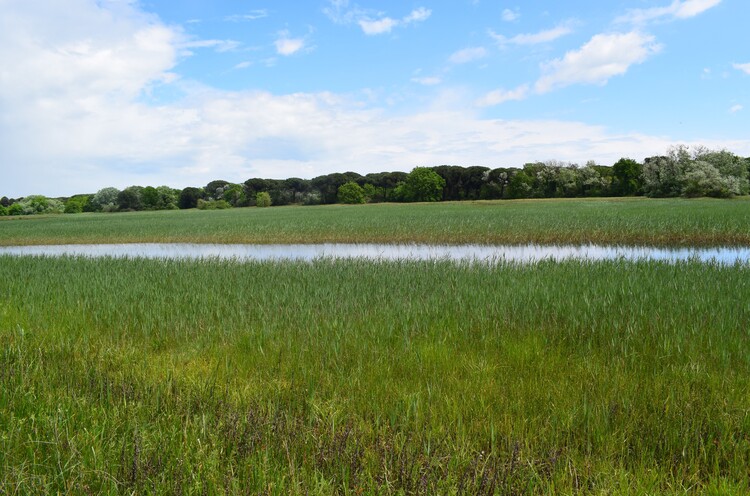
x,y
357,377
673,222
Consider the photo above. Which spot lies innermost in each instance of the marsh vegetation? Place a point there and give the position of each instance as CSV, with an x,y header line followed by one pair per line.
x,y
377,377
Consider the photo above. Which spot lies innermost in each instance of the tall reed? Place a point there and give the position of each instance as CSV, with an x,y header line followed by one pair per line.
x,y
373,377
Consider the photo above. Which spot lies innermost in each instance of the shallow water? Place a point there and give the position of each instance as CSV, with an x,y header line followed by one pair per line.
x,y
472,253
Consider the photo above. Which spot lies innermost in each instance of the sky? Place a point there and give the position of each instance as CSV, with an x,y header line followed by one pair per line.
x,y
99,93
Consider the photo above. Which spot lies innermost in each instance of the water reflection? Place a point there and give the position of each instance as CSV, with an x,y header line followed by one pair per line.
x,y
472,253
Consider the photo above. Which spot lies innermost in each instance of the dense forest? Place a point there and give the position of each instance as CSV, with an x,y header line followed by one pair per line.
x,y
681,172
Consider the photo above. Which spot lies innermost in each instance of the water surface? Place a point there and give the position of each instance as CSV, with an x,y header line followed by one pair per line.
x,y
307,252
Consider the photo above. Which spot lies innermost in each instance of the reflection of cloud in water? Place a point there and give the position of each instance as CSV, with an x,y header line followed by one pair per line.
x,y
470,253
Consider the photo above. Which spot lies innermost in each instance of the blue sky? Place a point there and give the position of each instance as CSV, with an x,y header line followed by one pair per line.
x,y
118,92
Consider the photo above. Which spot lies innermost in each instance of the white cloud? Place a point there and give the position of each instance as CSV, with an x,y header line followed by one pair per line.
x,y
285,45
735,108
678,9
250,16
499,96
467,55
742,67
418,15
73,119
601,58
544,36
380,26
371,23
338,11
218,45
510,15
427,80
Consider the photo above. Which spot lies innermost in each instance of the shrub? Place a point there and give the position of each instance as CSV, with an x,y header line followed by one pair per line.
x,y
105,200
351,193
213,204
423,185
263,199
76,204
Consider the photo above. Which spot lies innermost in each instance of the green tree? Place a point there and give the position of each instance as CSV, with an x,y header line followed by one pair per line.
x,y
731,167
131,198
215,189
3,210
664,176
423,185
370,191
234,194
263,199
627,178
521,184
38,204
297,187
15,209
151,199
351,193
76,204
105,200
703,179
169,197
189,197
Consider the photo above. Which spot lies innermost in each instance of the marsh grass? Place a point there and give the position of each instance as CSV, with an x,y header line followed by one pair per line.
x,y
673,222
121,376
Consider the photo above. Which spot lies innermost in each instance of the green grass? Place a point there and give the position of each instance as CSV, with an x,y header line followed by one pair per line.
x,y
177,377
676,222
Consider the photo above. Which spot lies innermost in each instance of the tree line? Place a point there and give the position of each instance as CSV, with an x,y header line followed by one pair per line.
x,y
681,172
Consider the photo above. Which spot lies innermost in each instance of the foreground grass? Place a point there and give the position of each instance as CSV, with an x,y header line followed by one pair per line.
x,y
676,222
174,377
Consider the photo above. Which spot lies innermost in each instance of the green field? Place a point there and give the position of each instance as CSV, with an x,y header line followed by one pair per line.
x,y
363,377
677,222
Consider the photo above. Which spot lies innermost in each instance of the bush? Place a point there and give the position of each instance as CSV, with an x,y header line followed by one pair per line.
x,y
105,200
351,193
423,185
76,204
213,204
263,199
38,204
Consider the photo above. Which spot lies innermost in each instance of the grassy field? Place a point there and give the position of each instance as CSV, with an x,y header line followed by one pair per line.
x,y
356,377
677,222
176,377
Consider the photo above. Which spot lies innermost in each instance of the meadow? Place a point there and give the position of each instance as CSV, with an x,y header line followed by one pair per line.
x,y
364,377
674,222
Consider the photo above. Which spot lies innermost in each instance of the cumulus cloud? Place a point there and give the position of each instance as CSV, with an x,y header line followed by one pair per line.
x,y
735,108
601,58
499,96
467,55
73,118
286,45
544,36
678,9
742,67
